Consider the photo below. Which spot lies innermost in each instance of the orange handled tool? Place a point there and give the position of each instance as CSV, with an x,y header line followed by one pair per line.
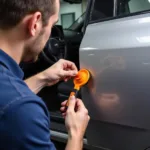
x,y
80,80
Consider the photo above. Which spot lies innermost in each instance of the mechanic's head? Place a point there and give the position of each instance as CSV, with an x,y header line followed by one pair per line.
x,y
28,22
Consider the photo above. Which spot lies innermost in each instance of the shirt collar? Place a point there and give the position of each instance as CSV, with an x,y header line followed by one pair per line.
x,y
10,64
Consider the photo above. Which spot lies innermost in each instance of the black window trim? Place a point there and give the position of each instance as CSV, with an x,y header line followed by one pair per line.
x,y
115,8
115,14
87,14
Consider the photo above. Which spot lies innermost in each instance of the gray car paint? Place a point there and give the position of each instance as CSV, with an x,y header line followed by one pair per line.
x,y
117,52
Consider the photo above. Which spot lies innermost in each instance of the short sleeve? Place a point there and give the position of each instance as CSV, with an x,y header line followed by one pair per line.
x,y
28,125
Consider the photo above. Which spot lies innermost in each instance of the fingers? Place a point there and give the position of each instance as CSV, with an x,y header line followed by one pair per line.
x,y
89,118
64,115
69,68
68,64
71,107
63,109
76,104
67,79
72,66
63,106
68,73
63,103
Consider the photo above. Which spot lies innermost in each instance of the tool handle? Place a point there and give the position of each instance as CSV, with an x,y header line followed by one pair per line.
x,y
75,93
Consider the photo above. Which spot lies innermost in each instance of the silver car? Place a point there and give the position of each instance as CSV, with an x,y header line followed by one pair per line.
x,y
116,49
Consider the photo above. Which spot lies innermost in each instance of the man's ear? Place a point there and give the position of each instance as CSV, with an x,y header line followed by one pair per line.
x,y
35,23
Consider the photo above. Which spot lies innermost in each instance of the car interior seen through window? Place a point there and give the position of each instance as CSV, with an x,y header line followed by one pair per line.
x,y
71,15
126,7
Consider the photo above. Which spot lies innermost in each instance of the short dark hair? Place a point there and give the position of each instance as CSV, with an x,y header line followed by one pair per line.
x,y
13,11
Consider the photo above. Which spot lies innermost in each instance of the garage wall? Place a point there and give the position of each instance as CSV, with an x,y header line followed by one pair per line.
x,y
139,5
69,8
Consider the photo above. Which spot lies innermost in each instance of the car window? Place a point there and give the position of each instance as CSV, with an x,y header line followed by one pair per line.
x,y
75,25
126,7
71,14
102,9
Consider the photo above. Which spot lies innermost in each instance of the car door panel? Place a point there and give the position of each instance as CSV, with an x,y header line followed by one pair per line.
x,y
117,52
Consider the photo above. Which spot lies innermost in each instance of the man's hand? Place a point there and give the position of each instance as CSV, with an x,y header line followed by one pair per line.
x,y
76,120
62,70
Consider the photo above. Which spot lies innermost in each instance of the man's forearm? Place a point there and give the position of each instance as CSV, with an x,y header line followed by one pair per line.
x,y
36,83
74,143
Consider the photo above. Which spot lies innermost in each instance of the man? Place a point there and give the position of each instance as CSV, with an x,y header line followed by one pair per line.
x,y
25,26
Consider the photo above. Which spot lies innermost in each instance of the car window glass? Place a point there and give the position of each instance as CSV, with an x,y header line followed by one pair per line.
x,y
126,7
79,21
102,9
72,15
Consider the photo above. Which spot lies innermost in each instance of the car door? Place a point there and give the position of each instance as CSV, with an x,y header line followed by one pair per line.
x,y
116,50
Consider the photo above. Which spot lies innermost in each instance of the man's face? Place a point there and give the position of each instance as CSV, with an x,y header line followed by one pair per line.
x,y
38,42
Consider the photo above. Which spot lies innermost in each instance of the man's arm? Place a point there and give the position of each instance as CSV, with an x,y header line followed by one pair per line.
x,y
62,70
30,124
36,83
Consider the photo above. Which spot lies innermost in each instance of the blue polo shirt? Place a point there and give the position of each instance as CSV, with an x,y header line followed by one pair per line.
x,y
24,117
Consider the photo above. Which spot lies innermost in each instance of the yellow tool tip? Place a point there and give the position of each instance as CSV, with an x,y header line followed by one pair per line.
x,y
82,78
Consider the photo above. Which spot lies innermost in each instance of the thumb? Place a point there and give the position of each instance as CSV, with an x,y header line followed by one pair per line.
x,y
72,103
